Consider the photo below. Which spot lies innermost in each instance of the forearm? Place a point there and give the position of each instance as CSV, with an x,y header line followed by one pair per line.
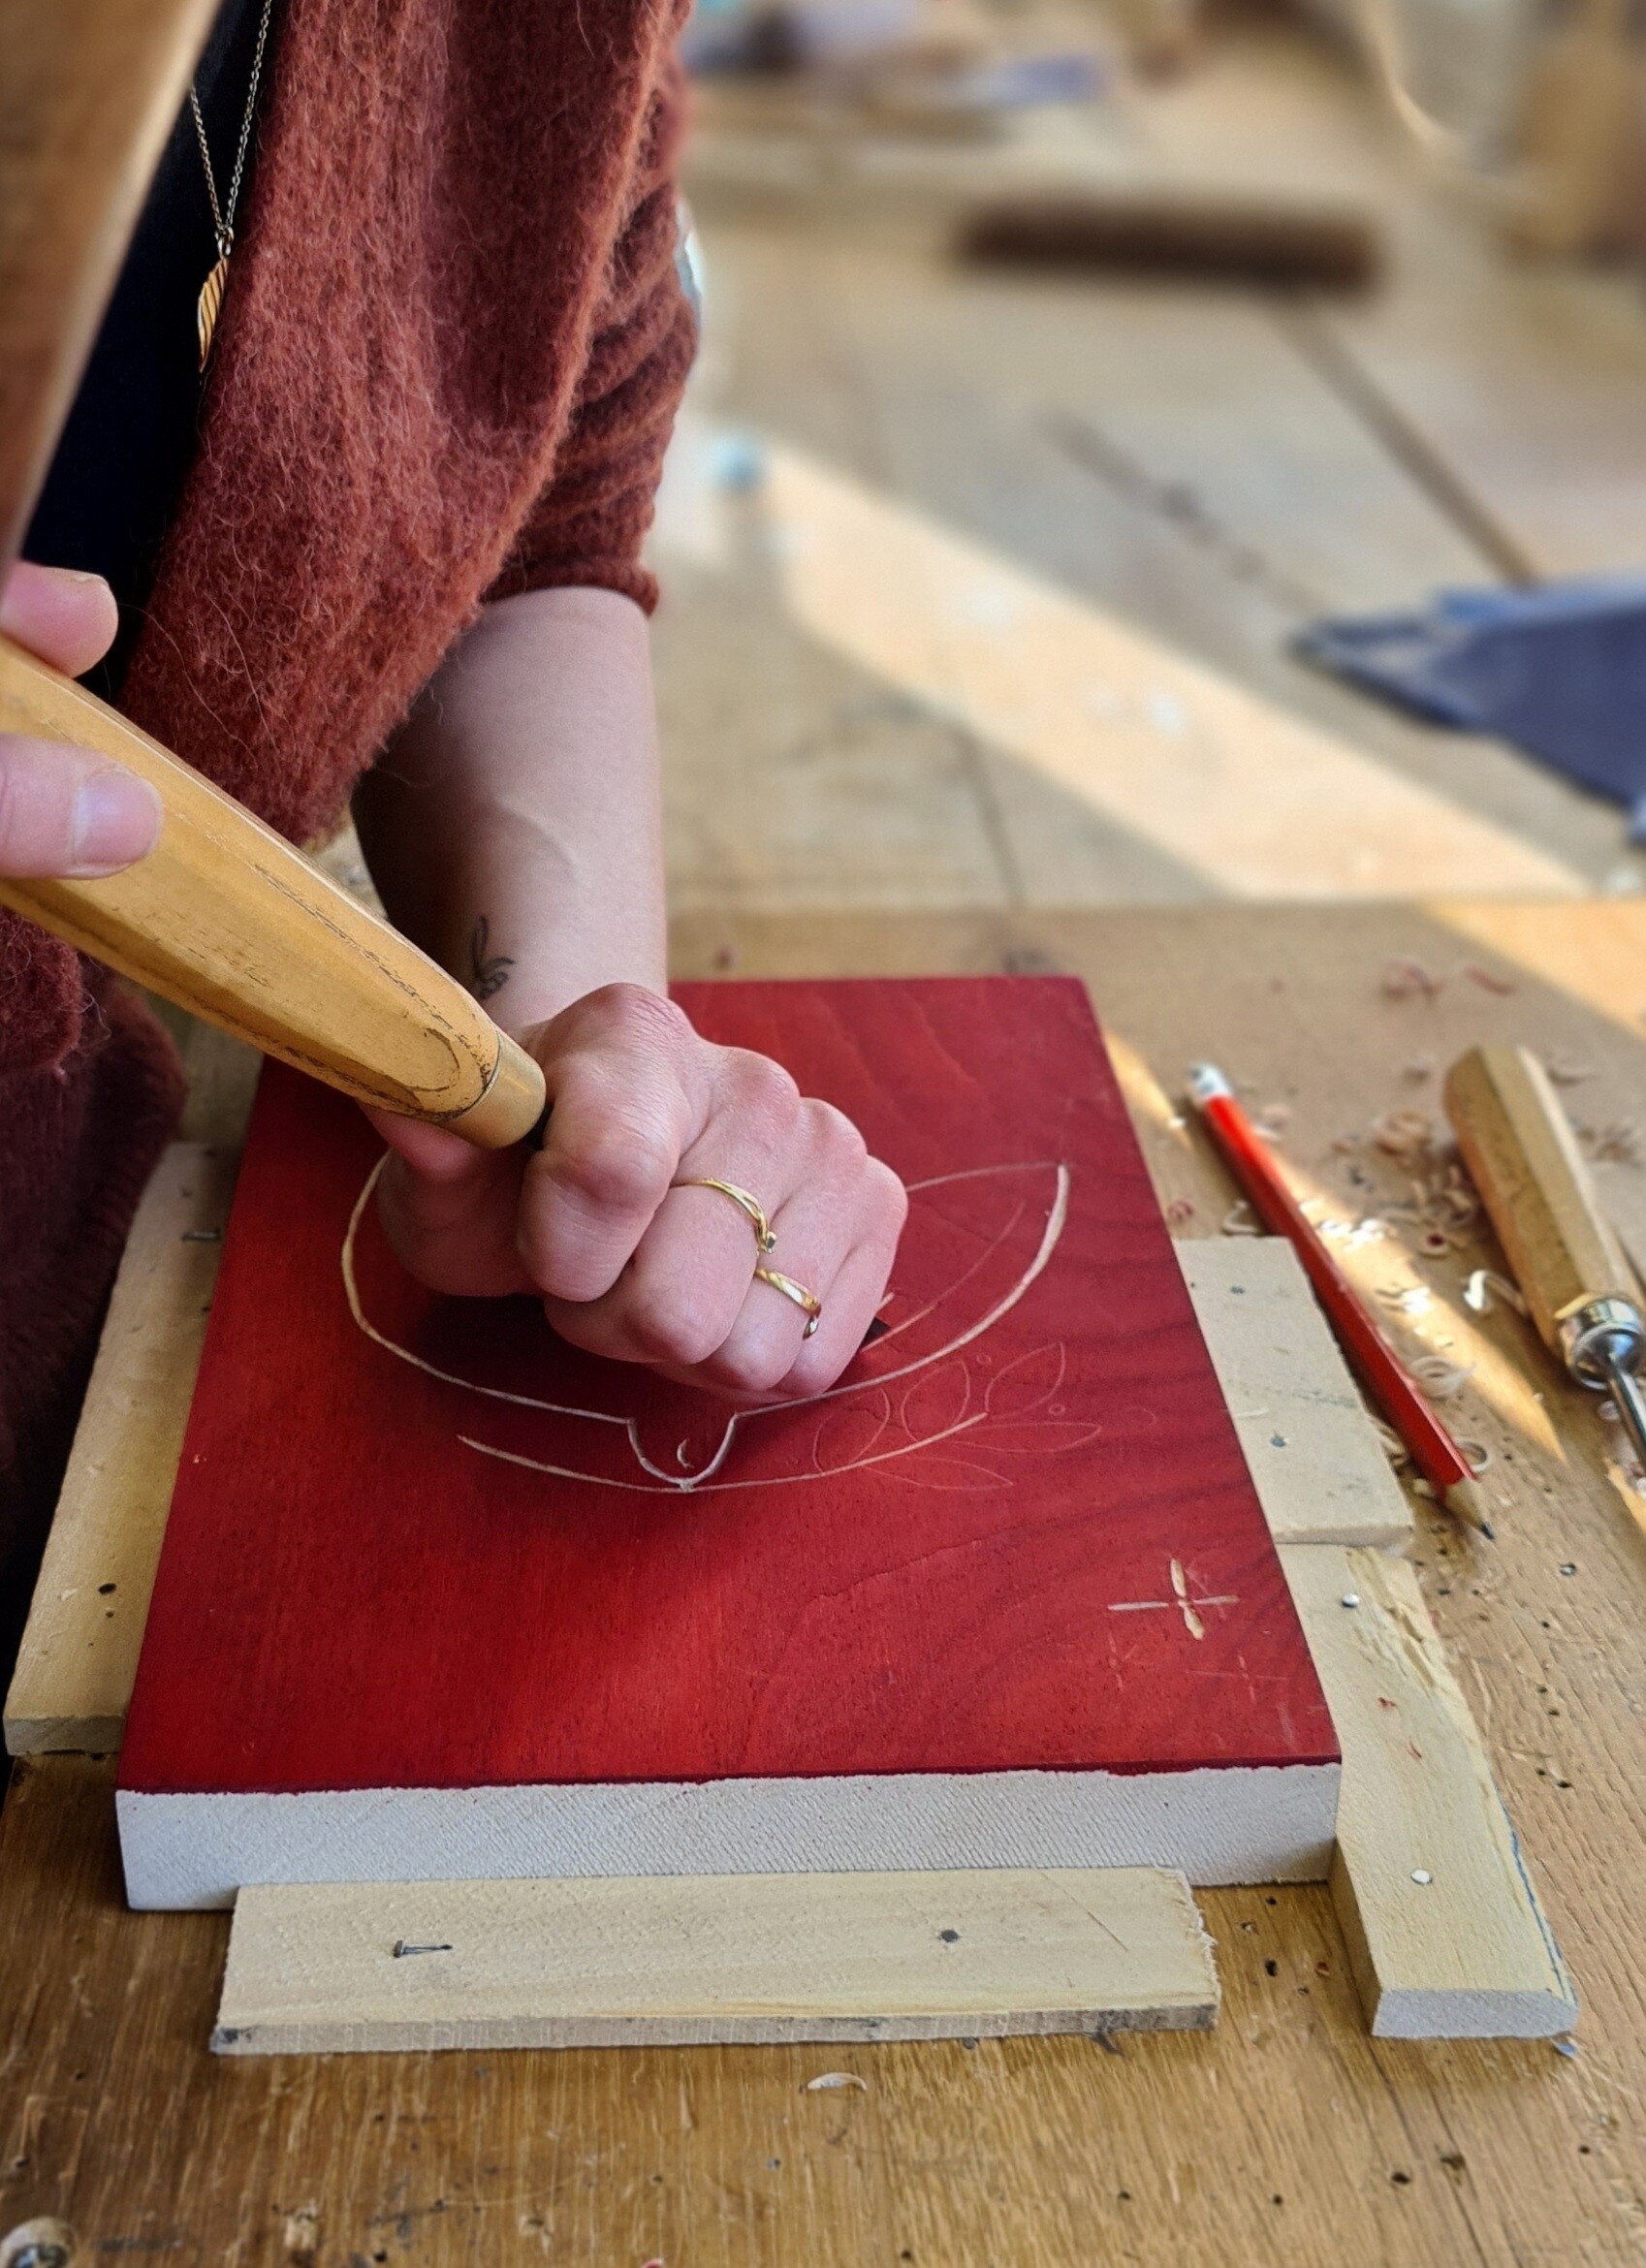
x,y
512,825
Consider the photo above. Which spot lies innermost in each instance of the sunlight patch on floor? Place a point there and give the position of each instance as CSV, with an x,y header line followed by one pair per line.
x,y
1256,800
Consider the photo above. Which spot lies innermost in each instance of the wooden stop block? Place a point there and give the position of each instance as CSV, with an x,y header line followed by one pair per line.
x,y
337,1968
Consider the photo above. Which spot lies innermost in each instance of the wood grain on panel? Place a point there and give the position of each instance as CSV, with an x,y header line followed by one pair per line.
x,y
1018,1538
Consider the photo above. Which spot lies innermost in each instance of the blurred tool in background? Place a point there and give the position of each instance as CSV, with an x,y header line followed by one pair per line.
x,y
1271,242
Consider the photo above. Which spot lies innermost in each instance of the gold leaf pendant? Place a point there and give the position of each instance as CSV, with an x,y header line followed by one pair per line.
x,y
209,303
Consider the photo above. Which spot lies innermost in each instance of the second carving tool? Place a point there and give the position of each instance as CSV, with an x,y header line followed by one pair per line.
x,y
1396,1392
1522,1157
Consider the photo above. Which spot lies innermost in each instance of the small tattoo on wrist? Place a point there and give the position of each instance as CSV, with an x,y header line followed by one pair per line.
x,y
488,973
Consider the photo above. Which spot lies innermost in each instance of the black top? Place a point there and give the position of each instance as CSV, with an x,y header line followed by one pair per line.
x,y
130,438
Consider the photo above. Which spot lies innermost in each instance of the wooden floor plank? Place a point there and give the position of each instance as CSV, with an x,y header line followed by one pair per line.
x,y
1093,727
1525,378
1166,471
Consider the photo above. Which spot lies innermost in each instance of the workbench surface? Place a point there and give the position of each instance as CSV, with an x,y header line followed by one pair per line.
x,y
1287,2135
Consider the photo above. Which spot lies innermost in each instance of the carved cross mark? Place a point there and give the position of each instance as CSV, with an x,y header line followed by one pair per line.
x,y
1180,1599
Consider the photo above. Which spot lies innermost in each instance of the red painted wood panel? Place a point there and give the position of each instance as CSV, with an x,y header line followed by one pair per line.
x,y
1021,1532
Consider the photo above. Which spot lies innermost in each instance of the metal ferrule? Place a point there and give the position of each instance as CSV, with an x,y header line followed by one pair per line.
x,y
1599,1335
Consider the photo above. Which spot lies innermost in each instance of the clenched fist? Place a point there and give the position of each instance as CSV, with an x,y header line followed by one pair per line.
x,y
629,1262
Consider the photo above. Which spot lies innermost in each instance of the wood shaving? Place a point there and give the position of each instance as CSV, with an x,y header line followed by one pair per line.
x,y
1618,1144
826,2080
1180,1209
1485,1286
1417,1068
1272,1122
1476,1455
1455,1196
1367,1231
1409,980
1404,1134
1409,1299
1239,1222
1564,1071
1440,1380
1441,1208
1393,1447
1487,979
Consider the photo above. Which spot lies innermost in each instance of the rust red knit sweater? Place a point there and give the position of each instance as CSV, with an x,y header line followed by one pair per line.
x,y
446,370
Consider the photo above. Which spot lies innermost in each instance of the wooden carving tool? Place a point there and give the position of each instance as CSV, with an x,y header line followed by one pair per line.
x,y
1521,1155
223,916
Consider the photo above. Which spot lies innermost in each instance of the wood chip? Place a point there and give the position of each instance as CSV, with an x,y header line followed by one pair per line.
x,y
1409,980
1440,1380
1485,1286
1617,1144
1407,1135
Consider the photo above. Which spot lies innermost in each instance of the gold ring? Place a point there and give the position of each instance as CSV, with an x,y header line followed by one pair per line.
x,y
744,1201
797,1292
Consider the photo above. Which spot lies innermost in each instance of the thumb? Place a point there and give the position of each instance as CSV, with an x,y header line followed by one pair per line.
x,y
67,812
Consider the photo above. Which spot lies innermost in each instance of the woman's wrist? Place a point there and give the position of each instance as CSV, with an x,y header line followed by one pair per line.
x,y
514,825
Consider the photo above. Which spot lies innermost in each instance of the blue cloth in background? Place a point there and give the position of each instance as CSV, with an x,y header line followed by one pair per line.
x,y
1560,670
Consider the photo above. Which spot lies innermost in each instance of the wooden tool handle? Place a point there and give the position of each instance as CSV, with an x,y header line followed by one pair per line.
x,y
224,918
1520,1153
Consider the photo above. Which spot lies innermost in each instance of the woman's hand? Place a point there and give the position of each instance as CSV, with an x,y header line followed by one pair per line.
x,y
66,812
629,1262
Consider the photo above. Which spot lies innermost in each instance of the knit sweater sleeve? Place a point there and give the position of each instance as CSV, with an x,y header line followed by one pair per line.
x,y
589,524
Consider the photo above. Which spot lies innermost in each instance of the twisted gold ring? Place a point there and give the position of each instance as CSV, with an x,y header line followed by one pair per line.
x,y
744,1203
797,1292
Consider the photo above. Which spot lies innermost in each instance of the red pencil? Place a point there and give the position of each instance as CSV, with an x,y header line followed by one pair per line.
x,y
1434,1451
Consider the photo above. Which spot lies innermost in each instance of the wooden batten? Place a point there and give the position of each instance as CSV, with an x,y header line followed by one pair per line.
x,y
1444,1931
1317,1464
78,1656
330,1968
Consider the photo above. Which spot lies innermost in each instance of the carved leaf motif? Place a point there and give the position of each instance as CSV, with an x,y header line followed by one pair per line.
x,y
926,1471
850,1431
1036,1437
1023,1385
937,1402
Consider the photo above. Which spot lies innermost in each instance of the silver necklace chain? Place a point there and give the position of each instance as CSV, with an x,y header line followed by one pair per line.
x,y
223,221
